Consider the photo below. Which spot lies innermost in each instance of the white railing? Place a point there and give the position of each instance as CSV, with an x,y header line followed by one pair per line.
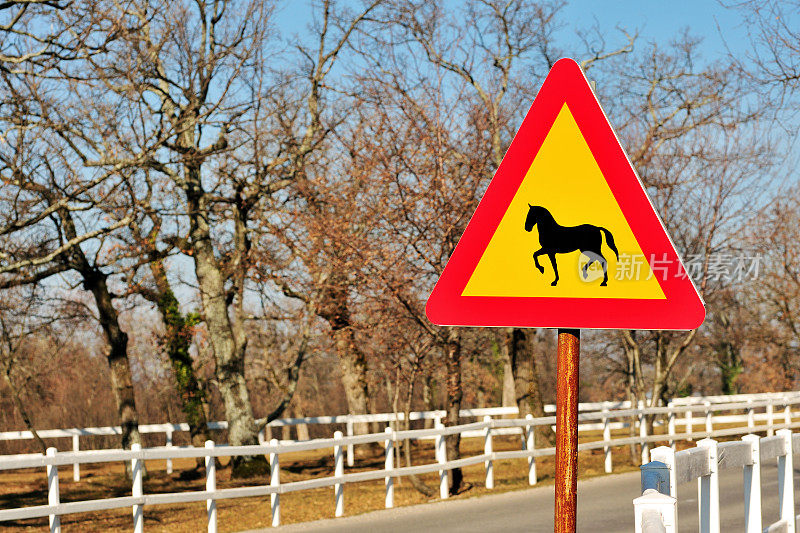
x,y
656,510
170,429
487,429
53,459
767,401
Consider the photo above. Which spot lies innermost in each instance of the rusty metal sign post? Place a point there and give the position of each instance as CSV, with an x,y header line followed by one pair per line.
x,y
569,348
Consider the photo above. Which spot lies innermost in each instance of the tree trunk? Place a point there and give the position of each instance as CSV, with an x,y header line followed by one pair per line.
x,y
228,354
454,396
428,394
521,365
416,482
333,307
121,380
302,429
509,397
730,365
528,393
17,399
632,428
353,365
178,341
229,358
633,383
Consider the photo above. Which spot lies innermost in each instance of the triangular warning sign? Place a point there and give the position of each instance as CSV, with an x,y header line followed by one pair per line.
x,y
565,235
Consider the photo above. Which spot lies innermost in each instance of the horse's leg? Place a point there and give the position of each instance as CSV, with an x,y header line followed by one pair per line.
x,y
536,255
604,264
552,257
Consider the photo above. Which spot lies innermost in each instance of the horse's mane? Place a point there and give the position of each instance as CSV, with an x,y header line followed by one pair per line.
x,y
543,215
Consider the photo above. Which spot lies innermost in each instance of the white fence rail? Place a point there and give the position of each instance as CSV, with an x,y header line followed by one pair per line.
x,y
656,510
690,463
704,405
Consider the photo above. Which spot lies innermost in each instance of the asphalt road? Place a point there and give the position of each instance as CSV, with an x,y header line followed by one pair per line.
x,y
604,505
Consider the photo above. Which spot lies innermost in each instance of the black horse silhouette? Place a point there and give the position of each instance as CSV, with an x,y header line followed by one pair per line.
x,y
555,239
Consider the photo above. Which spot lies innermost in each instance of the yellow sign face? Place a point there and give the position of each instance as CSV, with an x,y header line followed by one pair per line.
x,y
566,181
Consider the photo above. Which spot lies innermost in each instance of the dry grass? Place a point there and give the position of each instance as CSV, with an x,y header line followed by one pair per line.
x,y
28,487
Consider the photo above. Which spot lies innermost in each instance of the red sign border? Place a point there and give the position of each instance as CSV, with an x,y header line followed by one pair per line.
x,y
683,308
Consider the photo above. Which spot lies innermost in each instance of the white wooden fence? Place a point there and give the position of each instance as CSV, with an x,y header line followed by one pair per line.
x,y
765,401
656,510
487,428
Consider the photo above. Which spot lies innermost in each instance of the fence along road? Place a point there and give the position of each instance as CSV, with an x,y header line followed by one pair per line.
x,y
603,507
486,428
655,511
765,401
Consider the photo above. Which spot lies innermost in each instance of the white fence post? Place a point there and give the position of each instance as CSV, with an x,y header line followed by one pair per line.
x,y
487,450
689,427
530,445
708,490
606,438
53,496
441,457
211,486
751,416
137,489
653,507
643,435
389,466
671,425
350,452
770,420
752,486
787,415
76,467
786,481
709,419
338,488
168,439
275,481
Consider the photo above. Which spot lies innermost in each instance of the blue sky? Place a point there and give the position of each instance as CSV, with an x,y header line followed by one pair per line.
x,y
655,20
662,20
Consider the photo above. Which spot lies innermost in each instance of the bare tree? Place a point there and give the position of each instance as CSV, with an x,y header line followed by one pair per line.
x,y
773,61
698,153
44,234
28,38
778,284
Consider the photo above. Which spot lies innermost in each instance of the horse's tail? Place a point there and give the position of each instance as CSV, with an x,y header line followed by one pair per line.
x,y
610,241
